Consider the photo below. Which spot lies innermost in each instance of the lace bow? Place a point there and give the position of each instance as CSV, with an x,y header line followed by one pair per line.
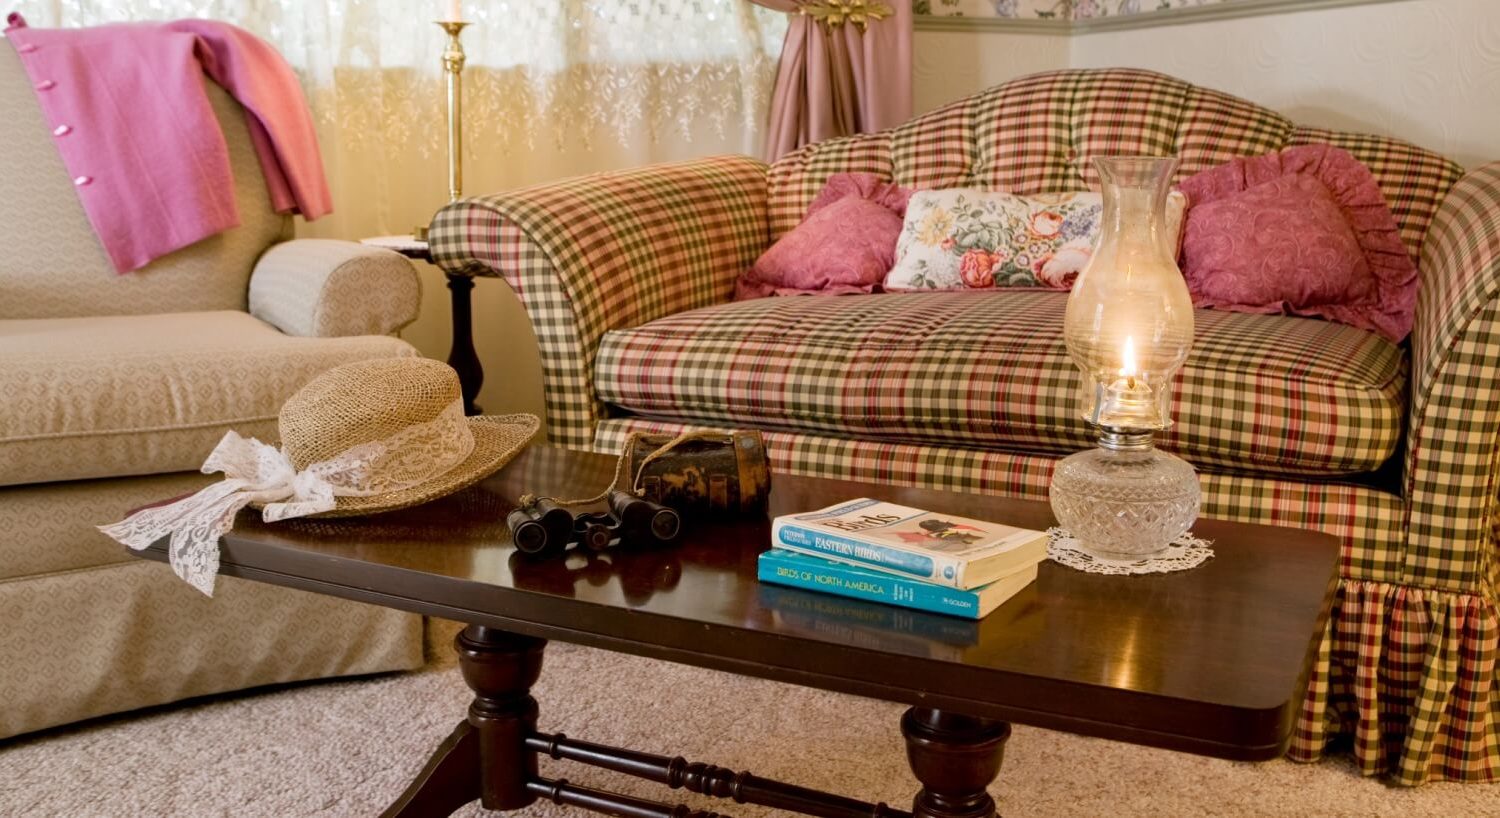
x,y
255,472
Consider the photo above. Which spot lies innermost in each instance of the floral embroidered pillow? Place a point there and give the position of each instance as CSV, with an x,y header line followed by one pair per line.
x,y
973,239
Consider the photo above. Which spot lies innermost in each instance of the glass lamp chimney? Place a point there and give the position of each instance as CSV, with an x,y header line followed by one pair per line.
x,y
1129,320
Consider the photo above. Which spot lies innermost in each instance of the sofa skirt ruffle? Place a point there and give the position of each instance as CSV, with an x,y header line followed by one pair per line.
x,y
1405,679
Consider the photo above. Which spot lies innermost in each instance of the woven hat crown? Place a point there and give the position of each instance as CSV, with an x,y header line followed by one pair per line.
x,y
363,402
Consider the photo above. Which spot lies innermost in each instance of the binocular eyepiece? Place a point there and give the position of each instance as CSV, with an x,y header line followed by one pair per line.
x,y
546,527
535,529
643,518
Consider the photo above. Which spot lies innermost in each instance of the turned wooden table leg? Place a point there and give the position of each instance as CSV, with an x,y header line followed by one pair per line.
x,y
955,757
461,356
485,757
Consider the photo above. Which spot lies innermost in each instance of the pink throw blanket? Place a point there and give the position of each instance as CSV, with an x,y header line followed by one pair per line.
x,y
128,111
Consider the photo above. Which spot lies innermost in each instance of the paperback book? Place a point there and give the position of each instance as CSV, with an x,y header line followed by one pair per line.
x,y
937,548
853,621
797,570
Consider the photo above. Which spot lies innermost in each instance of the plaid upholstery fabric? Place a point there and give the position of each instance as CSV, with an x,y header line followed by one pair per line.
x,y
1409,675
800,174
1453,441
1428,715
1366,520
610,250
1259,393
1040,133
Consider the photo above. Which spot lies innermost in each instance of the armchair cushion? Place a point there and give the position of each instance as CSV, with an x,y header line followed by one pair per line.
x,y
320,288
150,394
47,528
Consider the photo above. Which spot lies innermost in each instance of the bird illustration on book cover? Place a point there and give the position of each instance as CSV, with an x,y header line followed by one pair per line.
x,y
940,535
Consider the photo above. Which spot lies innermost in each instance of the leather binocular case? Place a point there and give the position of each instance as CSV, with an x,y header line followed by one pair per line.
x,y
730,474
547,528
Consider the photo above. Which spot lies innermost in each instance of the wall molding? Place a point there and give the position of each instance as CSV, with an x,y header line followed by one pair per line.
x,y
1147,19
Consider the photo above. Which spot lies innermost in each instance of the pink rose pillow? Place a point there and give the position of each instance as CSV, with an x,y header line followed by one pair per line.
x,y
962,238
1302,232
845,244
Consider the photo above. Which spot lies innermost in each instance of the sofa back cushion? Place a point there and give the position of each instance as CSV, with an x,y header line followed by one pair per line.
x,y
53,265
1040,133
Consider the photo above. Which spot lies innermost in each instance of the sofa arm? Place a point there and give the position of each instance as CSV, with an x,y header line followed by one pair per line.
x,y
608,251
1453,435
325,288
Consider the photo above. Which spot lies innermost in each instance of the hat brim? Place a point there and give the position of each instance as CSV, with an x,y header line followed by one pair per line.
x,y
497,440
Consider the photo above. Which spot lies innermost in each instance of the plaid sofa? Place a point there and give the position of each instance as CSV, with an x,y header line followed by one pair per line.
x,y
628,279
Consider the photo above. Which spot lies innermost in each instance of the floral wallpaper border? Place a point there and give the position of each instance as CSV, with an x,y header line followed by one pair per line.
x,y
1088,15
1052,9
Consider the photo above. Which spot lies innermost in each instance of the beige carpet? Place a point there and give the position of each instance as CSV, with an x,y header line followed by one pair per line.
x,y
349,747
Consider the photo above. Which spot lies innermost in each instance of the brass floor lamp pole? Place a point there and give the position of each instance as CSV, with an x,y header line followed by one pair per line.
x,y
461,355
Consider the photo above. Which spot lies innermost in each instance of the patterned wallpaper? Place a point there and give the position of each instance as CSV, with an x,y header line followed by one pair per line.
x,y
1051,9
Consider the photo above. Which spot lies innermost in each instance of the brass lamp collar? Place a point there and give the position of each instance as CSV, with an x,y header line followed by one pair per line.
x,y
1125,440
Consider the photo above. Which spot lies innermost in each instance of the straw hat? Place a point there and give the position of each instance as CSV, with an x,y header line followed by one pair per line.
x,y
361,438
412,407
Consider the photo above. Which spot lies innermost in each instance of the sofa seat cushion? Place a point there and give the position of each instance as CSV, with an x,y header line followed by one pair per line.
x,y
1259,393
46,528
148,394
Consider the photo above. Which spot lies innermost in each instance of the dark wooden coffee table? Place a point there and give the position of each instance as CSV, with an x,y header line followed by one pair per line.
x,y
1211,661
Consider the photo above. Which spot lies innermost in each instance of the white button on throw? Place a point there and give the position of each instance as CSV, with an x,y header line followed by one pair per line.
x,y
61,130
46,85
82,180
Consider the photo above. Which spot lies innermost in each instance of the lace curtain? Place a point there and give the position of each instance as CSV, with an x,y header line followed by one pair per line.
x,y
551,87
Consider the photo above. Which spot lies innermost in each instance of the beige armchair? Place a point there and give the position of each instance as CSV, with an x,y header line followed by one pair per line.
x,y
113,389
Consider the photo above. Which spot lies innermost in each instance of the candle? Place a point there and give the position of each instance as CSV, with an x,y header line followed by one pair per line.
x,y
454,14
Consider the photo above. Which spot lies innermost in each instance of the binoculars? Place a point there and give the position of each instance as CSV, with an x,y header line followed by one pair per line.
x,y
547,528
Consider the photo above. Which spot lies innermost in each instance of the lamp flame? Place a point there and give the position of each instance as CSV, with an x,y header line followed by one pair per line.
x,y
1127,356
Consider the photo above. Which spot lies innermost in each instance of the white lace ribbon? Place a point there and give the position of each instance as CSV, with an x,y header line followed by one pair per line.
x,y
257,473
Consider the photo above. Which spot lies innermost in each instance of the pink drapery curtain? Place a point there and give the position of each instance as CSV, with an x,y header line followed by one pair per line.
x,y
841,80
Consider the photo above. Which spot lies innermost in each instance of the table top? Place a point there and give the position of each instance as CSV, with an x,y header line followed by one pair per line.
x,y
406,245
1212,660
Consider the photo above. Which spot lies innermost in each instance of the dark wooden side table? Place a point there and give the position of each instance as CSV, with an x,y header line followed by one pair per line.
x,y
461,354
1211,661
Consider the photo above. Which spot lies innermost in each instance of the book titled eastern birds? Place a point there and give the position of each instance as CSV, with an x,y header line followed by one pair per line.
x,y
783,567
909,542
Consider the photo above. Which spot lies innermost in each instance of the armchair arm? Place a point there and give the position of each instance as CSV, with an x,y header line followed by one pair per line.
x,y
325,288
608,251
1453,435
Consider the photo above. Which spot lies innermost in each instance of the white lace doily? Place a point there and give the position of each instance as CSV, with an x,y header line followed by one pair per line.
x,y
1185,552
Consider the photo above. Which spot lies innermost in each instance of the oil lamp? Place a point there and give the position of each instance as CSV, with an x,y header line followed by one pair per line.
x,y
1128,328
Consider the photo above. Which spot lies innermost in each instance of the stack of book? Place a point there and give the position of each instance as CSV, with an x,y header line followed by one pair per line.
x,y
903,556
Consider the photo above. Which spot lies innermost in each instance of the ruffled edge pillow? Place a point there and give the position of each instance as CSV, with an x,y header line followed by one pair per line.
x,y
1386,308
